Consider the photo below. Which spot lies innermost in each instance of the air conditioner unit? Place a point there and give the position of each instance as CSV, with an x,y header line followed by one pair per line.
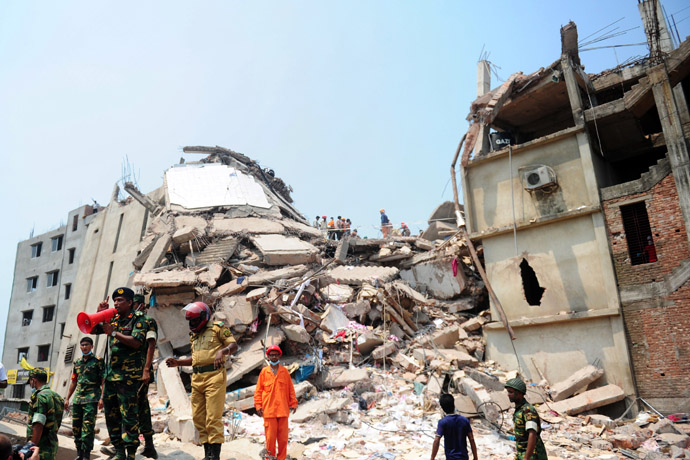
x,y
539,177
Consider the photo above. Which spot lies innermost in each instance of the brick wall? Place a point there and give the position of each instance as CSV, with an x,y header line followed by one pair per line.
x,y
658,331
668,232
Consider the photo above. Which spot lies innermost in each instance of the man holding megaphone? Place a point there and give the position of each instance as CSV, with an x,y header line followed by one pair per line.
x,y
123,371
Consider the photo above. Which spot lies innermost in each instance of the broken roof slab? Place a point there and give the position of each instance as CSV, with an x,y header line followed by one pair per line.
x,y
246,225
357,275
284,250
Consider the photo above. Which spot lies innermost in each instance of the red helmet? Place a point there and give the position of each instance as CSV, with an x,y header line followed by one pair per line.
x,y
198,314
274,348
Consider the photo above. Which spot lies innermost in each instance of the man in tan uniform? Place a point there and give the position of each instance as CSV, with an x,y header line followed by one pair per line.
x,y
211,343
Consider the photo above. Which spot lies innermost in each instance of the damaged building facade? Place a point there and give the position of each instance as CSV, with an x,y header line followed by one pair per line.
x,y
579,187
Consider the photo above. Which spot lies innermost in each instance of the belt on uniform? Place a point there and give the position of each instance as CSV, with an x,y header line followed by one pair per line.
x,y
202,369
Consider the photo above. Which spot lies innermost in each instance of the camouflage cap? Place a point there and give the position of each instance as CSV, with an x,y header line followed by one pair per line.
x,y
139,298
39,373
517,385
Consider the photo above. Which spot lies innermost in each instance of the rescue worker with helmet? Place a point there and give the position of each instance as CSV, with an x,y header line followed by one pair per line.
x,y
274,399
526,421
211,343
123,371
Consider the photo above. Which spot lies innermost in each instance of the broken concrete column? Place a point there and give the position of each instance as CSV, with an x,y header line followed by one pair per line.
x,y
338,377
448,336
157,253
588,400
211,275
480,397
578,380
384,350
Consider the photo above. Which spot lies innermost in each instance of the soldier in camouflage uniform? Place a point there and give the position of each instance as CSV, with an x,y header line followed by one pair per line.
x,y
45,415
211,343
87,380
526,422
145,426
123,371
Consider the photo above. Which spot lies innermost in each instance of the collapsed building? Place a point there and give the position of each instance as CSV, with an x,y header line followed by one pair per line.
x,y
578,186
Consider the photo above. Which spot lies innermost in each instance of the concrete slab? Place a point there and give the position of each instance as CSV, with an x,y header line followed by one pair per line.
x,y
590,399
250,225
171,278
296,333
406,363
179,298
284,250
473,324
357,309
264,277
436,229
448,336
578,380
334,318
251,354
337,293
465,406
319,406
338,377
210,277
355,276
382,351
436,278
407,291
157,253
184,235
301,228
367,341
182,427
256,294
232,287
341,250
480,397
235,311
489,382
198,223
217,252
172,326
457,357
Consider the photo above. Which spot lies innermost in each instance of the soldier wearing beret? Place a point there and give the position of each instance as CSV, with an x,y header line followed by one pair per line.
x,y
45,415
123,372
87,380
211,343
145,425
527,425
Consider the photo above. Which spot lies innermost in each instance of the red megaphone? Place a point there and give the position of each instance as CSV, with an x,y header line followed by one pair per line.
x,y
86,321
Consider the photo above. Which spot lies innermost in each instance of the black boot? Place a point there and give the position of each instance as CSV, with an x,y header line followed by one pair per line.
x,y
131,452
215,451
109,451
85,455
120,453
79,455
207,451
149,450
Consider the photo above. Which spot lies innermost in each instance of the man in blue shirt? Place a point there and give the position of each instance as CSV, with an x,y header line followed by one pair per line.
x,y
455,431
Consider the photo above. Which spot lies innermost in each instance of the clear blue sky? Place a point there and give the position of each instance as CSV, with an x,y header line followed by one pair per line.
x,y
358,105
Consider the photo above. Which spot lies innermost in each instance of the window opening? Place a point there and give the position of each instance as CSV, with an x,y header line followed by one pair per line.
x,y
68,291
638,233
56,243
43,352
27,316
117,235
62,329
53,278
48,313
75,222
22,353
530,284
31,284
36,250
18,391
107,282
71,255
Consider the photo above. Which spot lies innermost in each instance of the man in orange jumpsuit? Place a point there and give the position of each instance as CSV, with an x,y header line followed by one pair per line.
x,y
274,398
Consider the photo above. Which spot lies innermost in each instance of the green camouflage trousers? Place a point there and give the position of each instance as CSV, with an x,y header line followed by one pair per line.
x,y
83,425
145,427
47,449
538,454
121,407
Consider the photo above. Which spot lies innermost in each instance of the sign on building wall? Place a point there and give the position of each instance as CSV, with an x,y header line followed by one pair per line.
x,y
21,376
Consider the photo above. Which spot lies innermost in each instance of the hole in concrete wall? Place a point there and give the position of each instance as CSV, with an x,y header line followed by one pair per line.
x,y
530,284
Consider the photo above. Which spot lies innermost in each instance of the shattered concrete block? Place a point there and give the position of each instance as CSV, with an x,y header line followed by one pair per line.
x,y
384,350
602,444
403,289
480,397
235,310
588,400
296,333
357,309
319,406
367,341
301,228
464,405
184,235
406,363
356,276
171,278
182,427
488,381
341,250
232,288
210,276
673,439
459,305
337,293
338,377
169,330
334,318
284,250
157,253
198,223
456,357
473,324
575,382
437,277
251,355
174,387
665,426
602,420
397,331
252,225
256,294
434,387
264,277
448,336
424,245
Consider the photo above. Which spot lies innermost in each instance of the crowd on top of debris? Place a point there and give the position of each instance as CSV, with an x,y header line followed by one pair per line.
x,y
372,330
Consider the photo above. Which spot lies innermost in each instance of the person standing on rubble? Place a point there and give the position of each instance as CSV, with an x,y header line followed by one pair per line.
x,y
316,222
45,414
526,423
87,380
404,229
123,371
145,425
455,431
211,343
274,399
386,225
331,229
324,227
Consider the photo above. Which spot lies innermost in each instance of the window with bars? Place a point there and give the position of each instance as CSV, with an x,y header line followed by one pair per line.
x,y
638,233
